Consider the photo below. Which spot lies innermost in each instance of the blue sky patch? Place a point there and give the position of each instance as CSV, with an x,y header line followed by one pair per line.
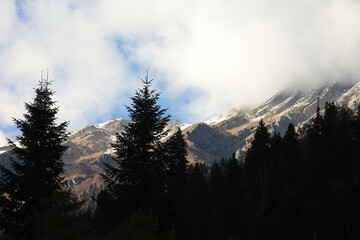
x,y
125,48
20,12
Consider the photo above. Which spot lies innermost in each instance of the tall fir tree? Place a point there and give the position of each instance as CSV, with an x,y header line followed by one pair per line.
x,y
216,199
256,181
137,178
198,203
273,189
288,215
233,197
33,187
176,163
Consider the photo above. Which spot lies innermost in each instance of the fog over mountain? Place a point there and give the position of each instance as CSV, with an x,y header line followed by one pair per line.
x,y
206,56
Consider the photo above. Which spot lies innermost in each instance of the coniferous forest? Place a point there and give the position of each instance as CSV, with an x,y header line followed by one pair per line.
x,y
304,184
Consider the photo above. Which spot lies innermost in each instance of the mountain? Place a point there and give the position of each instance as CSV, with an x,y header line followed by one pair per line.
x,y
90,148
208,141
232,132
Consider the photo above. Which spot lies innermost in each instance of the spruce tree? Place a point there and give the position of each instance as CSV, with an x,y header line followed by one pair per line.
x,y
137,178
216,183
256,165
288,208
176,164
198,203
256,180
27,191
216,198
273,188
233,197
311,170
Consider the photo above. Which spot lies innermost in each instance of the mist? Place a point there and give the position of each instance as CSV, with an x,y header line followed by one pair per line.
x,y
206,57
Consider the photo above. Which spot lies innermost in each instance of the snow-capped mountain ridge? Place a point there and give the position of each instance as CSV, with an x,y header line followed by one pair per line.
x,y
288,101
288,106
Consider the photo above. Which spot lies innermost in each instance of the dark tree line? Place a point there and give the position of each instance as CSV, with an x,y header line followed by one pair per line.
x,y
287,187
293,186
300,185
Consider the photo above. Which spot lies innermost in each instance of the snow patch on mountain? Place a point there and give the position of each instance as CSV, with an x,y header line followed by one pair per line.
x,y
184,126
223,117
172,127
282,103
351,98
257,119
109,151
102,125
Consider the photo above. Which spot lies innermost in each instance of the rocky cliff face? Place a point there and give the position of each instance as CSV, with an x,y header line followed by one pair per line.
x,y
221,136
208,144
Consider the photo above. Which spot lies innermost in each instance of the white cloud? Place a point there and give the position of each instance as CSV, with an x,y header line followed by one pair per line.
x,y
3,141
231,53
89,74
239,53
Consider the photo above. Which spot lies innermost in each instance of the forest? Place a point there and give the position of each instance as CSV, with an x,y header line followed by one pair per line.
x,y
303,184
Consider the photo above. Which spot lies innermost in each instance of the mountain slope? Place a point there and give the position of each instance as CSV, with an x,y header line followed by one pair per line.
x,y
90,148
206,144
288,106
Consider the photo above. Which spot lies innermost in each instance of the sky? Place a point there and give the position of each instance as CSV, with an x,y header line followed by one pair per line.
x,y
205,56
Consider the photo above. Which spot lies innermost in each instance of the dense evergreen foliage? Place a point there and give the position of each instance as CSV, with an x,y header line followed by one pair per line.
x,y
138,176
148,174
32,202
286,187
174,212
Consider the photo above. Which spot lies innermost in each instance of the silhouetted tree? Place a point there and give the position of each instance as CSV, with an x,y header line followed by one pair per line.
x,y
198,203
255,180
233,198
174,154
32,189
216,196
137,180
288,215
